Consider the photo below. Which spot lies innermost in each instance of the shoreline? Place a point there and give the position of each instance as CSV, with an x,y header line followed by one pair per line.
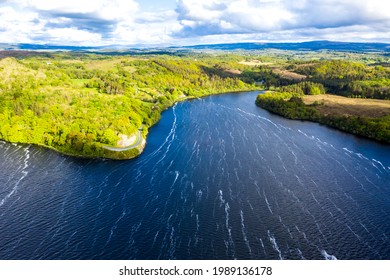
x,y
129,153
296,109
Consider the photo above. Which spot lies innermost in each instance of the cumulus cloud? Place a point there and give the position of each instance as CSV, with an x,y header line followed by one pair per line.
x,y
68,35
234,17
94,16
85,22
214,17
104,22
102,9
160,17
16,26
64,22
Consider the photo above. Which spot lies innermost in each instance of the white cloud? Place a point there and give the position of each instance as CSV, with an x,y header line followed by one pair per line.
x,y
79,22
71,36
148,28
103,22
104,9
260,17
17,26
159,17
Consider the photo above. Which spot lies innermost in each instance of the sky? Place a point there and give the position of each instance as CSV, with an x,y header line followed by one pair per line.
x,y
191,22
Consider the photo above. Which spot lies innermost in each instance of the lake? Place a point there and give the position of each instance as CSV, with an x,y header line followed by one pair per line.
x,y
219,178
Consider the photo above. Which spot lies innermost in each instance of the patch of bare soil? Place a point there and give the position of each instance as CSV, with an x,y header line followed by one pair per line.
x,y
288,74
254,63
125,140
233,71
329,104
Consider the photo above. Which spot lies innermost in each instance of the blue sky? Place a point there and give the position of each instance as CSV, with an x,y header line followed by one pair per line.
x,y
153,5
187,22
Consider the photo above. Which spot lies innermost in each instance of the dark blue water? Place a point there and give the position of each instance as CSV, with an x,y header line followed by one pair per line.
x,y
220,179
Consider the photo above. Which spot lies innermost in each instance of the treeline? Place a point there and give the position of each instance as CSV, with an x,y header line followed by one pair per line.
x,y
265,75
294,108
377,89
289,105
348,78
304,88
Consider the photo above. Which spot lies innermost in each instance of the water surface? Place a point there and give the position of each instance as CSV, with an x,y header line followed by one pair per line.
x,y
219,179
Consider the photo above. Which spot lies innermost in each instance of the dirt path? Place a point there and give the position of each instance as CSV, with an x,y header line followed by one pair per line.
x,y
137,142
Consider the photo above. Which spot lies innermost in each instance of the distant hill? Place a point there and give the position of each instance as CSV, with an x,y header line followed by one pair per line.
x,y
299,46
38,47
304,46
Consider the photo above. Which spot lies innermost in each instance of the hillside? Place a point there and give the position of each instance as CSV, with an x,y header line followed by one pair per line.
x,y
348,95
78,104
360,47
99,105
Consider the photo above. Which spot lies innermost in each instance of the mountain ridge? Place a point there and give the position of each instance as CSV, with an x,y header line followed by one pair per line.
x,y
249,46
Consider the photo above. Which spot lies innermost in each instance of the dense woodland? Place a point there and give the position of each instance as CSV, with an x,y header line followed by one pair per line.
x,y
348,78
76,103
345,78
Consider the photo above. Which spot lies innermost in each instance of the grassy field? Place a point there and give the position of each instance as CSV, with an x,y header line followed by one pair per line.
x,y
342,106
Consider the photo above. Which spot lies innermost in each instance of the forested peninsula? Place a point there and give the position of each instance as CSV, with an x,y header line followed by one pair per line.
x,y
99,105
96,105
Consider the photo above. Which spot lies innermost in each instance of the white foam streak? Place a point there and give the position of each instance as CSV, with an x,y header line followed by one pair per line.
x,y
314,198
281,160
197,230
300,254
380,163
262,118
274,244
199,193
357,236
220,195
177,174
169,139
155,237
372,161
243,230
328,256
227,209
266,201
24,174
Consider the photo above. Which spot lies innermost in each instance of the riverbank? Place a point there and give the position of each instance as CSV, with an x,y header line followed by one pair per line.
x,y
361,117
80,106
118,151
220,155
